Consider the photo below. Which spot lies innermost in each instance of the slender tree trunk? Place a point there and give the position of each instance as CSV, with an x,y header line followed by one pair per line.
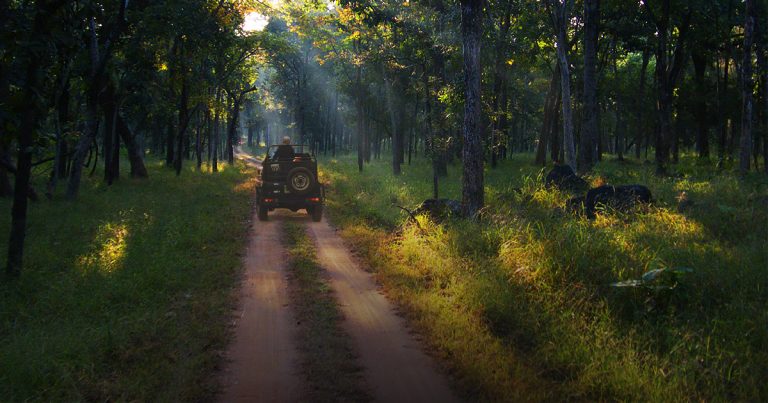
x,y
360,113
499,84
396,141
183,123
6,189
722,143
763,67
84,143
589,130
232,131
702,126
25,138
135,153
472,150
109,108
429,141
549,120
169,141
561,10
640,126
747,87
26,134
199,142
215,140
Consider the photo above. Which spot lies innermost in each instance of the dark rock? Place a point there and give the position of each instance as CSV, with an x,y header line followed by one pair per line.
x,y
440,209
620,198
563,178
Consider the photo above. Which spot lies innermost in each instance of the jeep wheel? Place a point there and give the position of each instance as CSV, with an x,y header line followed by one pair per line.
x,y
263,210
316,213
300,180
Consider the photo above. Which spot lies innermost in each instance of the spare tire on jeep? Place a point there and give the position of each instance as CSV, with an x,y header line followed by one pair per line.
x,y
300,180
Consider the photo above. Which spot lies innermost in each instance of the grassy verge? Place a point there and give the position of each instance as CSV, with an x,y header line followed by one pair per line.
x,y
127,292
328,362
520,305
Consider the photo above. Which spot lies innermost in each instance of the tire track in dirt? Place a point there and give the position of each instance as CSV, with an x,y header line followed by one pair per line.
x,y
262,361
263,357
395,366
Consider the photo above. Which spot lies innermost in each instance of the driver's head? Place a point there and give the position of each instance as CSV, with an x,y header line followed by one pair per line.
x,y
286,140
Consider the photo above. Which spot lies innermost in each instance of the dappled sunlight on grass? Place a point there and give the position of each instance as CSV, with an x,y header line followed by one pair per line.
x,y
109,245
533,281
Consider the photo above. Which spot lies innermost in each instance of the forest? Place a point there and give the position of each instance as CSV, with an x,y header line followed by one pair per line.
x,y
437,126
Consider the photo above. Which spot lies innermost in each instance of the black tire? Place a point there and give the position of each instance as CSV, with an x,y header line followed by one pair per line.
x,y
301,180
263,210
316,213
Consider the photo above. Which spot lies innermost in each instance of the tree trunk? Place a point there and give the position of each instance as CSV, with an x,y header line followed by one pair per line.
x,y
393,117
429,140
747,87
702,126
169,140
549,120
26,134
6,189
763,67
109,108
499,84
472,150
589,130
360,113
135,153
183,123
232,130
640,126
215,139
85,141
561,10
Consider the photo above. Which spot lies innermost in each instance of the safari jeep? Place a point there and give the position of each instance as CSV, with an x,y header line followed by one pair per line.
x,y
289,180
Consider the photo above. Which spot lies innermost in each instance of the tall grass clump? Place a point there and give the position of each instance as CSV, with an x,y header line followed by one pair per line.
x,y
520,305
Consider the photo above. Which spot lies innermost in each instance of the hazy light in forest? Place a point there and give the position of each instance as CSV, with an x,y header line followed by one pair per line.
x,y
255,22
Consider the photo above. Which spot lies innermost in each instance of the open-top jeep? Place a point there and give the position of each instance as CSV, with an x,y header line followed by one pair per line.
x,y
289,180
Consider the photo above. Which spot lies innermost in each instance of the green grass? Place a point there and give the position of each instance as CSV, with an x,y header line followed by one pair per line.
x,y
519,306
328,362
126,293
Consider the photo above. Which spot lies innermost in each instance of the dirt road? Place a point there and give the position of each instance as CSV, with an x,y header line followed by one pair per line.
x,y
395,365
264,357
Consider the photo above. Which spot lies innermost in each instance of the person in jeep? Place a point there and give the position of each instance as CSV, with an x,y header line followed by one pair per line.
x,y
284,151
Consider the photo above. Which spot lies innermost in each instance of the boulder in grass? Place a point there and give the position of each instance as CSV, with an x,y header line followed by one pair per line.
x,y
564,178
440,209
620,198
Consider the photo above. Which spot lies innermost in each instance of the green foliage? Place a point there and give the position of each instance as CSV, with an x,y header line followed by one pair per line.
x,y
126,293
520,305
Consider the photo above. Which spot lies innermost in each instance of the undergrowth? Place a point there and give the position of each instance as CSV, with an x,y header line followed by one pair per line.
x,y
520,304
